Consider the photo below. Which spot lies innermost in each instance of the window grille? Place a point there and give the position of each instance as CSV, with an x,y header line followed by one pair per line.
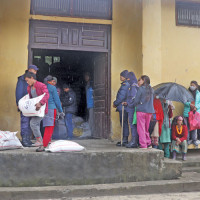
x,y
97,9
187,13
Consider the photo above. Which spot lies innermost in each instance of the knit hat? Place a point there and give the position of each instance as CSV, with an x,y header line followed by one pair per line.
x,y
55,79
124,73
48,78
132,78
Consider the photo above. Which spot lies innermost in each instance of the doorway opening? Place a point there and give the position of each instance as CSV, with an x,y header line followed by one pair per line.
x,y
69,67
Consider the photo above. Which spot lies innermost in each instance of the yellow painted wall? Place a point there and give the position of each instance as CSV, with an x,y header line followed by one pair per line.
x,y
179,55
126,47
151,40
14,27
14,36
180,50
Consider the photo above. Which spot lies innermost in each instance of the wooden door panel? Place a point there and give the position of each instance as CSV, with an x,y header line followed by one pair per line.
x,y
64,35
100,97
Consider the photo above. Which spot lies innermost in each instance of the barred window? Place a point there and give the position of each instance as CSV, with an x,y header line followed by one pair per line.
x,y
97,9
187,13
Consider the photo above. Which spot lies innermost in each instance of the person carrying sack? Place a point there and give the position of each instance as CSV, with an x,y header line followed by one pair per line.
x,y
36,88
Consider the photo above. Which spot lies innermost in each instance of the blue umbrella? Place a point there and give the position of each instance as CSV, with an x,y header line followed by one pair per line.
x,y
173,92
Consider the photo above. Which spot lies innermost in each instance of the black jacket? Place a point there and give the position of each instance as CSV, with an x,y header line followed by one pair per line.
x,y
68,100
121,95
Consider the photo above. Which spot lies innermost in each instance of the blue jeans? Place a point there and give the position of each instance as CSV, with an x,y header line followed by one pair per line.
x,y
69,124
25,126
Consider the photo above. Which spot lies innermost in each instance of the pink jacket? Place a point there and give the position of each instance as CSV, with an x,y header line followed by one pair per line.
x,y
41,88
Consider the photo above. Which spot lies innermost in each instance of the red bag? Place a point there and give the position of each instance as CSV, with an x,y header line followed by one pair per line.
x,y
194,120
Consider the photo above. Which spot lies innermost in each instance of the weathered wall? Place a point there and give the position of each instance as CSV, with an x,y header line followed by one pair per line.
x,y
151,40
171,53
14,34
14,27
126,47
180,50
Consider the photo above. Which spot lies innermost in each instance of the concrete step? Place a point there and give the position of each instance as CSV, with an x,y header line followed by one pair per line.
x,y
191,169
191,163
101,162
189,182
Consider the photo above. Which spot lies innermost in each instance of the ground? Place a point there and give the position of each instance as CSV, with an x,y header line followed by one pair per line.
x,y
165,196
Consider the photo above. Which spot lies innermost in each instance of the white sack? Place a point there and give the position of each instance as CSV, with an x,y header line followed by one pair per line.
x,y
64,146
27,106
9,140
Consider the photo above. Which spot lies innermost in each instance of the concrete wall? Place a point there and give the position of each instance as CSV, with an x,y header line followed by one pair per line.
x,y
164,51
14,28
180,50
14,35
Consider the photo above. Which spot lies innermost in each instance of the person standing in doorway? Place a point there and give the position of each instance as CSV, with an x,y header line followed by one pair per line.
x,y
144,107
54,82
68,99
90,101
21,91
36,88
49,119
120,99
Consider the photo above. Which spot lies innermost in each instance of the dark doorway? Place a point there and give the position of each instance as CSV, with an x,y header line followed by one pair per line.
x,y
67,50
69,67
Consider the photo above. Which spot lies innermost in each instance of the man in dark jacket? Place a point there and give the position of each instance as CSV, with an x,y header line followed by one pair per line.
x,y
68,99
21,91
122,97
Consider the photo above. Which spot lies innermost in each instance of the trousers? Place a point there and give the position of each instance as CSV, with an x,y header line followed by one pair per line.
x,y
48,132
125,124
25,125
143,121
69,124
35,126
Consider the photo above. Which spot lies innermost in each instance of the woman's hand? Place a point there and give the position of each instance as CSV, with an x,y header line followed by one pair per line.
x,y
124,103
178,141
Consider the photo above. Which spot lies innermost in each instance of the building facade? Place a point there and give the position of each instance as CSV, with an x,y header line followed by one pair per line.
x,y
159,38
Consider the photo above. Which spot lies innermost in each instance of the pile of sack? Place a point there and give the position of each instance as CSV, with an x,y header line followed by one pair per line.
x,y
9,140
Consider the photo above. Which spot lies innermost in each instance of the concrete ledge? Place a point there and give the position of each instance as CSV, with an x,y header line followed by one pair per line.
x,y
101,162
190,182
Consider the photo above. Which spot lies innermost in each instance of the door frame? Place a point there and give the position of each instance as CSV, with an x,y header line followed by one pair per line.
x,y
108,77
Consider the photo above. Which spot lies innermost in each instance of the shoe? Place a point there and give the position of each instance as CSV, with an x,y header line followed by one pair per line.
x,y
184,157
40,149
131,145
174,155
196,144
38,142
123,144
189,142
25,142
143,148
149,147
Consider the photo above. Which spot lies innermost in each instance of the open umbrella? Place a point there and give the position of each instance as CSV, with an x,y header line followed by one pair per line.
x,y
173,92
